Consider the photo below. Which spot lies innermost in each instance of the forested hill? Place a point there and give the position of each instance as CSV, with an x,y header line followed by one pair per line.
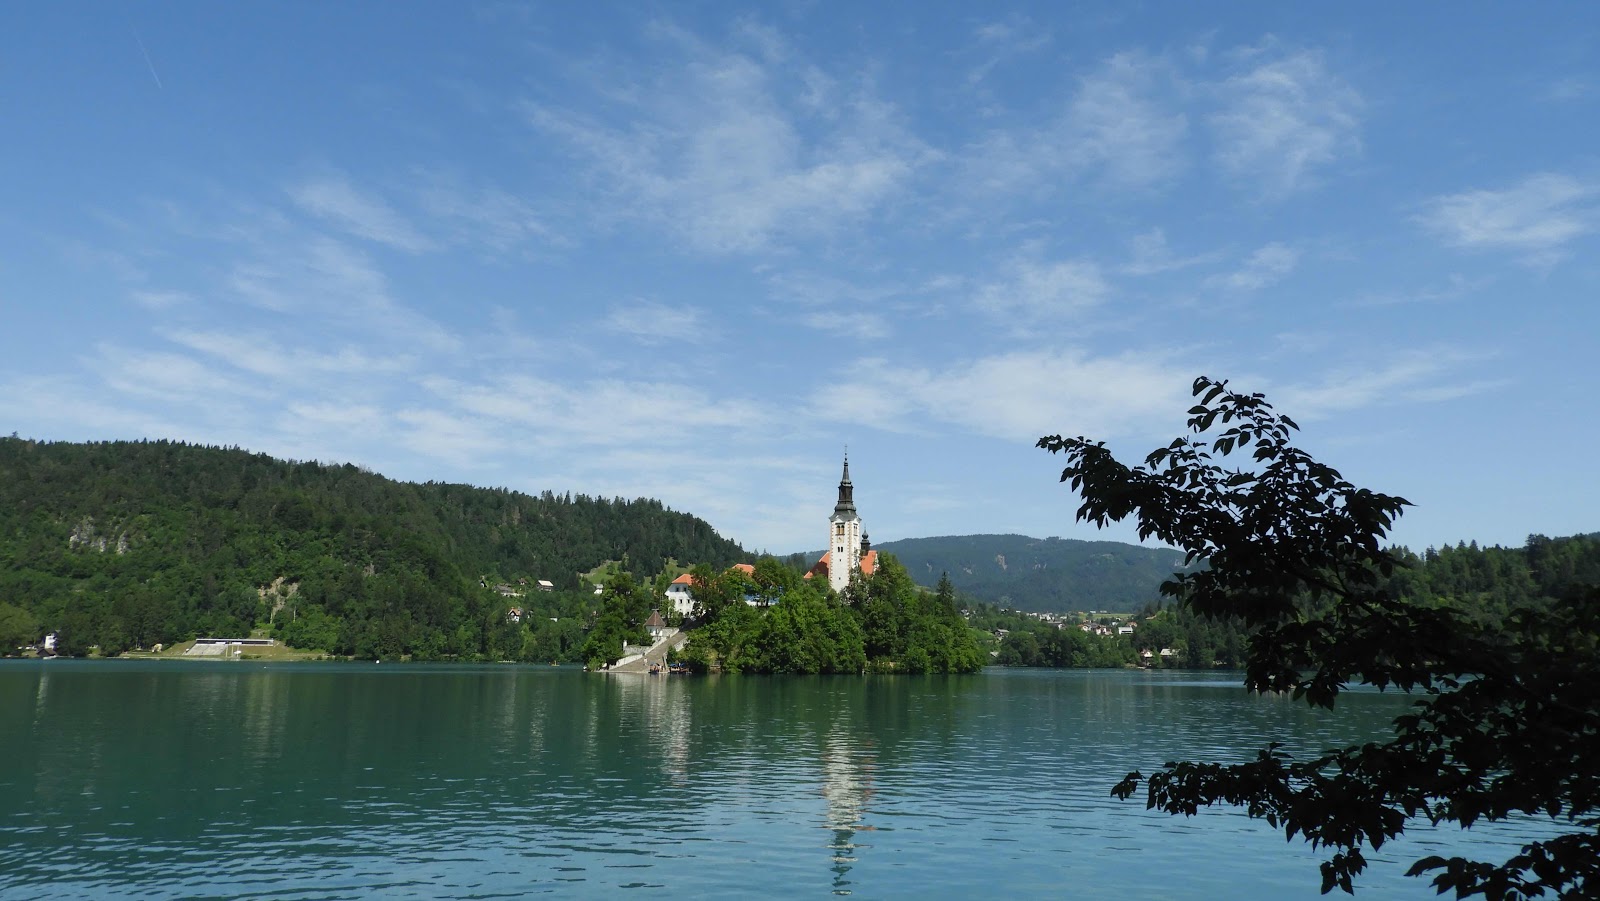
x,y
193,533
1041,574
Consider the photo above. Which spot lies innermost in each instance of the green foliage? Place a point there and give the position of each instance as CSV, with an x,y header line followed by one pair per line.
x,y
18,628
884,624
1041,644
906,629
1508,724
623,611
803,633
126,544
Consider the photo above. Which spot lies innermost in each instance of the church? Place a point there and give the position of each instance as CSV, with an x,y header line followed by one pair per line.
x,y
848,547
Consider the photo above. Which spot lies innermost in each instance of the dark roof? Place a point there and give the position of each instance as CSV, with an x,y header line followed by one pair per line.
x,y
655,621
846,507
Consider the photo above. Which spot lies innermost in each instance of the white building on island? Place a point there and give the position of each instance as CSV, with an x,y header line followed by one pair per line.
x,y
849,548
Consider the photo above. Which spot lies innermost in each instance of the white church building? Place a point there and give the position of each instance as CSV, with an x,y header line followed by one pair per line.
x,y
849,548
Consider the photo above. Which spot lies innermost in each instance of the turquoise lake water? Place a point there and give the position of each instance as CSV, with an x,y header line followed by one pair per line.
x,y
177,779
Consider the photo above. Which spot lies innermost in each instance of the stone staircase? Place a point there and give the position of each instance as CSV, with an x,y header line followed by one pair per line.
x,y
638,660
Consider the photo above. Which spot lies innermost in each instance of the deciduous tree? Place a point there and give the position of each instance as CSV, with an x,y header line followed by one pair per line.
x,y
1508,718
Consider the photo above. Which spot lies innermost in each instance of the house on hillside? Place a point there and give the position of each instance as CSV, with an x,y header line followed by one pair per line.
x,y
655,626
504,589
680,593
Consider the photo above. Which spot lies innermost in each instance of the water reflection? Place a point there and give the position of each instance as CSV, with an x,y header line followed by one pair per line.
x,y
169,780
847,787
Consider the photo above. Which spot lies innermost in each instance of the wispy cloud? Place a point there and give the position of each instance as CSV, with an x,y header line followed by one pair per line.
x,y
1150,255
65,408
335,200
593,412
1569,90
1264,268
1537,217
482,216
855,309
1453,288
260,355
324,278
458,440
1283,117
171,378
998,42
160,300
1020,396
656,323
728,147
850,323
1422,376
1040,290
1119,125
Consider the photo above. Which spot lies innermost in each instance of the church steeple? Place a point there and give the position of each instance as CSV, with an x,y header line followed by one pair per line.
x,y
846,507
844,533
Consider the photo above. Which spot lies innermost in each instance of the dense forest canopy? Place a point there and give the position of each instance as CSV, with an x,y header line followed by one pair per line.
x,y
123,544
1482,583
776,621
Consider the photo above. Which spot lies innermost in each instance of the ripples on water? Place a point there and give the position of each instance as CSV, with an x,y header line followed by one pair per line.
x,y
179,780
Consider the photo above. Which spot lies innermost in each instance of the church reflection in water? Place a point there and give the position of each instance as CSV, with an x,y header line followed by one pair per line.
x,y
847,772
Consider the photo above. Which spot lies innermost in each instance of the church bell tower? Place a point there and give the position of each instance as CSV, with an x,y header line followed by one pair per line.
x,y
844,534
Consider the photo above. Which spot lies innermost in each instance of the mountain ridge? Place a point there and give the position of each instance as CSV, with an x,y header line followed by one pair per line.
x,y
1022,572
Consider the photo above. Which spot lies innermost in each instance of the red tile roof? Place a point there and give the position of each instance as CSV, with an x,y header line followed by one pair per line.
x,y
869,564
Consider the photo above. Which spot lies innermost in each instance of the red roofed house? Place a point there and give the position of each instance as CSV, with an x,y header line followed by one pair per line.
x,y
680,595
681,592
849,548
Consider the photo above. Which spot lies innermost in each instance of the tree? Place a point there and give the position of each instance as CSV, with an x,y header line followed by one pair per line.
x,y
1509,721
18,627
624,608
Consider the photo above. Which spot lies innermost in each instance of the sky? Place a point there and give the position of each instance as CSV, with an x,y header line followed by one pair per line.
x,y
693,251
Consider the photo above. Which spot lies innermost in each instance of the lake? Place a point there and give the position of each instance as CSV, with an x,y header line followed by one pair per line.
x,y
180,779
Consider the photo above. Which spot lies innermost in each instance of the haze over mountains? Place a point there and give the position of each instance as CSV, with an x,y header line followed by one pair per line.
x,y
1039,574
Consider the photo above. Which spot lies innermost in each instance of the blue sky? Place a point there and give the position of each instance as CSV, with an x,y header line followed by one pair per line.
x,y
691,251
